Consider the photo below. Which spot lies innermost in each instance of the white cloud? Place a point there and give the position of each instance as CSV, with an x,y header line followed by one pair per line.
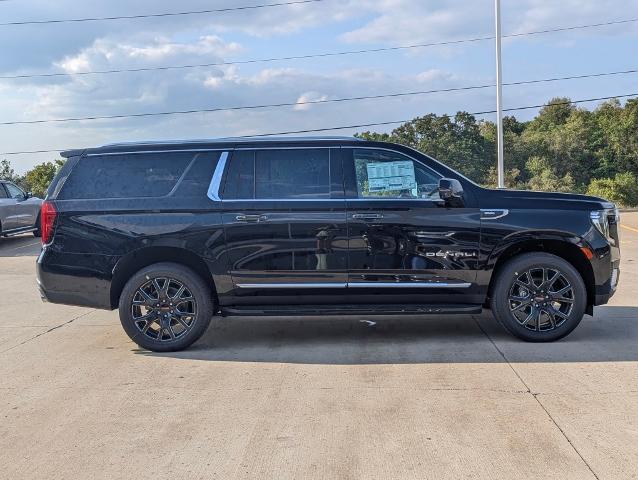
x,y
309,97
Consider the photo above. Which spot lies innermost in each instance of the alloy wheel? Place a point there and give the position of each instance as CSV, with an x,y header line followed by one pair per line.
x,y
541,299
164,309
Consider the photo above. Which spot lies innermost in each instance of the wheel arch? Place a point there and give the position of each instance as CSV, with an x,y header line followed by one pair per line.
x,y
134,261
562,247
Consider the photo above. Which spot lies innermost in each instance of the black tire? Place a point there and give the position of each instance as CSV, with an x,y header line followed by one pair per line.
x,y
178,322
513,303
38,230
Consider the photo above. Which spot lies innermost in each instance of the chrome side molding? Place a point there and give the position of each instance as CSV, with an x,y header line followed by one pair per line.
x,y
357,285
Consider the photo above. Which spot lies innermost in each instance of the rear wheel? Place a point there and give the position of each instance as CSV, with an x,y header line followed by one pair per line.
x,y
539,297
165,307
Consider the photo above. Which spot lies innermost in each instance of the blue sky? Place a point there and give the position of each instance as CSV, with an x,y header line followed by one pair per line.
x,y
329,25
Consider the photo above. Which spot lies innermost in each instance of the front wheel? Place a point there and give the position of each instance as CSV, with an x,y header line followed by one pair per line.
x,y
539,297
165,307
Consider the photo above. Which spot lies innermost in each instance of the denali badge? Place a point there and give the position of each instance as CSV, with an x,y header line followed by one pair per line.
x,y
449,253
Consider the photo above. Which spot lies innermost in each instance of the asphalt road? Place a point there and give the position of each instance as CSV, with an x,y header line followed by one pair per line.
x,y
344,398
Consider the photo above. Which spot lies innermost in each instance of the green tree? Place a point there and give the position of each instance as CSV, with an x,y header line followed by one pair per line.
x,y
39,177
622,189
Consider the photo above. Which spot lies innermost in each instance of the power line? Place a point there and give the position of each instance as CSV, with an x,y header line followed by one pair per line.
x,y
312,55
375,124
156,15
308,102
248,61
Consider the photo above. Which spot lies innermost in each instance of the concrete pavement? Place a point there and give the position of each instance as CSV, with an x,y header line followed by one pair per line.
x,y
405,397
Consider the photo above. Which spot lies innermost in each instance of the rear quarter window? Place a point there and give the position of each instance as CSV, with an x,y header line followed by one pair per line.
x,y
140,175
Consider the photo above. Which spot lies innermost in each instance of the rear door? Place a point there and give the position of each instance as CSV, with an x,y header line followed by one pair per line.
x,y
405,246
285,225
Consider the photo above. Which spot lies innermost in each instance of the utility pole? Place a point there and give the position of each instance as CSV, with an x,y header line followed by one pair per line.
x,y
499,97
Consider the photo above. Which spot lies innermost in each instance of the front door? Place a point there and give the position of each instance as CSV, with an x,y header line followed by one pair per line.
x,y
285,226
405,245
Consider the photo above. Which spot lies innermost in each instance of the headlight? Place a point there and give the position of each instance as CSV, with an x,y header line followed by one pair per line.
x,y
601,218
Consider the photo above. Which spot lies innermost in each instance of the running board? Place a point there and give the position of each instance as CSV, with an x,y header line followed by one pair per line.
x,y
13,233
277,310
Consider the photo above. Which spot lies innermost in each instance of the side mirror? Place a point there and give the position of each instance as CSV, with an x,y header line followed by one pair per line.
x,y
28,195
451,192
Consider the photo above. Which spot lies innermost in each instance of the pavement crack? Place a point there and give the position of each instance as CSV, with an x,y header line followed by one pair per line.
x,y
48,331
535,397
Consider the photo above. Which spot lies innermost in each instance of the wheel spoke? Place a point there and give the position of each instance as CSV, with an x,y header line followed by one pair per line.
x,y
552,318
559,313
162,292
148,300
171,333
562,299
521,306
526,286
551,281
532,315
562,290
179,293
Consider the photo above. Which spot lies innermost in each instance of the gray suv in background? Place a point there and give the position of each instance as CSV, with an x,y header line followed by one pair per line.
x,y
19,211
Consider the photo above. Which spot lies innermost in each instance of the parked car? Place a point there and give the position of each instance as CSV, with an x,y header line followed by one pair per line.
x,y
173,233
19,211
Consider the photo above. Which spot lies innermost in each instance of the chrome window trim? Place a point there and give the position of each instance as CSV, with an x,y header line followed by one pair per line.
x,y
216,180
356,285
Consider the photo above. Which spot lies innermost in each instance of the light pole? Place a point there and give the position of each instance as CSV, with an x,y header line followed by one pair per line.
x,y
499,95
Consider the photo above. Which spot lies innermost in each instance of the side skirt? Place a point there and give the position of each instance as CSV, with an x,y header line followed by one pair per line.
x,y
279,310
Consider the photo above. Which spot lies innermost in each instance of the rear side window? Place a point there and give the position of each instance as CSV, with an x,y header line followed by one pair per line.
x,y
279,174
126,175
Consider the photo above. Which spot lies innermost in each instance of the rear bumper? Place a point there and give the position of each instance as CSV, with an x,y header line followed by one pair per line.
x,y
73,279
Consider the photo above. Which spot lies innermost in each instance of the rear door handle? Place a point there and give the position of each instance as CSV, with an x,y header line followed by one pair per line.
x,y
367,216
251,218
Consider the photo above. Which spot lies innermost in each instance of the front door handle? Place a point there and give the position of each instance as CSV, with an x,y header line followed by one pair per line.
x,y
251,218
367,216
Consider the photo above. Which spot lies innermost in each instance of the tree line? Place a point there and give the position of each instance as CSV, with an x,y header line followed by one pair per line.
x,y
563,149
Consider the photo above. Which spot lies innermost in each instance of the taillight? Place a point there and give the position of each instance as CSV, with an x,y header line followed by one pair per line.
x,y
47,221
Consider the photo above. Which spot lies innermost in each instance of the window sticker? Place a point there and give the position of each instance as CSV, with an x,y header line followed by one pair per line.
x,y
391,176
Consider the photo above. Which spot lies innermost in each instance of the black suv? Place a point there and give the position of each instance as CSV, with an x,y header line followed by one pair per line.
x,y
173,233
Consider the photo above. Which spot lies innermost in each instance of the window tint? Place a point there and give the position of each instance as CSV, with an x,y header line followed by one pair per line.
x,y
126,176
294,174
385,174
3,192
198,176
14,192
275,174
240,178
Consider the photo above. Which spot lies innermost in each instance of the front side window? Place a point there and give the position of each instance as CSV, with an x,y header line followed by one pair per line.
x,y
385,174
14,192
139,175
3,192
296,174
